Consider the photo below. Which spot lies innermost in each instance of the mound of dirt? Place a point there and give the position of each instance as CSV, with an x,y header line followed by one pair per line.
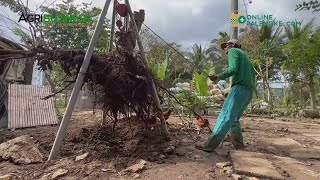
x,y
130,141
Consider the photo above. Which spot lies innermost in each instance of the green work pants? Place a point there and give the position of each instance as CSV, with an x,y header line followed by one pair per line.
x,y
229,118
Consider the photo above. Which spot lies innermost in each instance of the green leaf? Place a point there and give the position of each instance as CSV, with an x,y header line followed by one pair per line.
x,y
162,69
208,70
200,84
152,65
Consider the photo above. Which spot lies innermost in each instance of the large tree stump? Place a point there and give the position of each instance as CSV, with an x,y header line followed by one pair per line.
x,y
310,113
131,38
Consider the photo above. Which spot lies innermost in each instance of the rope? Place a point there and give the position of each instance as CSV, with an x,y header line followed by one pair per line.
x,y
174,49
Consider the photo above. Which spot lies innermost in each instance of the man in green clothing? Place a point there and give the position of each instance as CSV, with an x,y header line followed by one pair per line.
x,y
243,86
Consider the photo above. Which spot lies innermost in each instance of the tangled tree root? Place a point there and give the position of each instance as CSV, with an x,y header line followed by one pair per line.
x,y
121,82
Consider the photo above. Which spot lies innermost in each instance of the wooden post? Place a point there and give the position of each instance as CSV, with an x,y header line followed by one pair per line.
x,y
113,22
154,90
75,92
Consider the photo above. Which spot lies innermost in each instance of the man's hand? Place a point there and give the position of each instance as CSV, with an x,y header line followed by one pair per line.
x,y
213,77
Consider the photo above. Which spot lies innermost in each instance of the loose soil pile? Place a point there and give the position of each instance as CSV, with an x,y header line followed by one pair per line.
x,y
131,140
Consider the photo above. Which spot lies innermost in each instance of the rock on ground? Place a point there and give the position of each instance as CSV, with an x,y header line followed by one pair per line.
x,y
59,173
236,177
252,163
82,157
136,176
228,170
6,177
136,168
21,150
223,164
252,178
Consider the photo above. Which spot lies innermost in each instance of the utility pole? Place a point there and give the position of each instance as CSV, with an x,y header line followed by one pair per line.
x,y
234,30
235,10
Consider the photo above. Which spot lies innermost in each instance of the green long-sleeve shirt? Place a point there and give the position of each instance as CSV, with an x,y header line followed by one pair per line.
x,y
240,69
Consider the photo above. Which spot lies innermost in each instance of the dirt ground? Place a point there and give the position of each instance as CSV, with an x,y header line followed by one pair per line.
x,y
109,154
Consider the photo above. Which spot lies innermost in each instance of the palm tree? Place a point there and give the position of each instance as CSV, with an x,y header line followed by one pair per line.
x,y
217,57
295,32
223,35
269,32
199,57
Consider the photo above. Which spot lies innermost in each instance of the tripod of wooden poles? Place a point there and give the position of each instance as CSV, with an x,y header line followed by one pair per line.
x,y
79,81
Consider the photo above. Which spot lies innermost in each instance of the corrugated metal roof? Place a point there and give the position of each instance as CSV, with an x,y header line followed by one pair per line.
x,y
27,109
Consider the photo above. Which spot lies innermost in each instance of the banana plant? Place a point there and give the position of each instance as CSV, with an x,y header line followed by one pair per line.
x,y
159,68
201,81
200,84
207,71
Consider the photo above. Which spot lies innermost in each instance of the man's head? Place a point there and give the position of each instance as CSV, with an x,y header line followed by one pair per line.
x,y
232,43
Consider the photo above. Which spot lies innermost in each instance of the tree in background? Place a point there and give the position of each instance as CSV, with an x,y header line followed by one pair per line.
x,y
199,57
303,60
264,48
72,36
293,33
250,38
158,51
266,57
311,5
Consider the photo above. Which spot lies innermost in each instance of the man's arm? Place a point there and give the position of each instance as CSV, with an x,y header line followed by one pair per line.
x,y
233,59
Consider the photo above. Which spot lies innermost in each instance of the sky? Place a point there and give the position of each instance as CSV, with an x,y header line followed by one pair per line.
x,y
187,22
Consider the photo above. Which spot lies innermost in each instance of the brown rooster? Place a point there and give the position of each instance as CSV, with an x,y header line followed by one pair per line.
x,y
202,123
166,115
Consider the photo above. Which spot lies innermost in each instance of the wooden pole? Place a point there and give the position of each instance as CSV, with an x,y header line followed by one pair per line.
x,y
75,92
113,22
154,90
104,112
